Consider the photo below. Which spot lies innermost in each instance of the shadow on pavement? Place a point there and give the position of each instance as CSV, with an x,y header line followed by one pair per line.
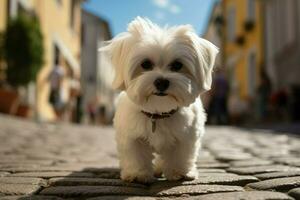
x,y
95,184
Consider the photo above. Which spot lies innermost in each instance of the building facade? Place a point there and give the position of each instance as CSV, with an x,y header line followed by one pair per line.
x,y
97,73
236,28
282,49
214,31
243,44
60,22
282,43
260,49
3,22
3,15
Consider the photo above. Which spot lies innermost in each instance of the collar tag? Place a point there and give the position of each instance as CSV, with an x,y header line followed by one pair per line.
x,y
153,122
155,116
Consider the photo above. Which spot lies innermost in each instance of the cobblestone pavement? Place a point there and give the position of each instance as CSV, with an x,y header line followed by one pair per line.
x,y
52,162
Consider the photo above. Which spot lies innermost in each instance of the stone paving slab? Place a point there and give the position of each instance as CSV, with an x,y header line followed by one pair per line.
x,y
71,162
273,175
210,170
3,174
124,197
195,190
247,195
278,184
88,191
251,163
23,180
8,160
262,169
213,165
294,161
233,156
18,189
295,193
31,197
68,181
211,178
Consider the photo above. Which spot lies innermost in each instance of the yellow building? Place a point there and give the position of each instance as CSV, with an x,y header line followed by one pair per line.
x,y
3,5
61,26
3,15
242,44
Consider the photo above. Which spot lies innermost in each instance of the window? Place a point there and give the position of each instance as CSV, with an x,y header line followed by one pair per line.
x,y
251,10
231,27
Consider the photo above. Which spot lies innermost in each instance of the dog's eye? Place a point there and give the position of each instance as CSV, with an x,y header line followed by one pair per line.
x,y
176,66
147,64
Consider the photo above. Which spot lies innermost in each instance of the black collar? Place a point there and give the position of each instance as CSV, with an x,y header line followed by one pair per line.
x,y
163,115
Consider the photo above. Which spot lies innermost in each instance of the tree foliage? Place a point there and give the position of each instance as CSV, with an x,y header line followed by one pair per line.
x,y
23,50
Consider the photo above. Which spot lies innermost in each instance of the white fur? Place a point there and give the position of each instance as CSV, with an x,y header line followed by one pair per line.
x,y
176,141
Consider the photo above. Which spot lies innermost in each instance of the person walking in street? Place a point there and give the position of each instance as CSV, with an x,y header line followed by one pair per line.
x,y
56,78
217,111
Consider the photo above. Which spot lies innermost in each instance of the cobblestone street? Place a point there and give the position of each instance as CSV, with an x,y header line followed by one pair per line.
x,y
52,162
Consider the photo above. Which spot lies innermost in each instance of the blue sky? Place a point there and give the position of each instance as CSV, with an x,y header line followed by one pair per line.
x,y
171,12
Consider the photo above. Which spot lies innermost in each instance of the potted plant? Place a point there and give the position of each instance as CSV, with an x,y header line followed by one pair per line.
x,y
23,53
8,98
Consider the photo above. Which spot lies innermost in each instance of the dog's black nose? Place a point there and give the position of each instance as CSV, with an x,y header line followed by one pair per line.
x,y
161,84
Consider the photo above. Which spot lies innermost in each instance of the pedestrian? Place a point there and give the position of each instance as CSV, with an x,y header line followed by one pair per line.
x,y
92,110
217,111
56,79
263,98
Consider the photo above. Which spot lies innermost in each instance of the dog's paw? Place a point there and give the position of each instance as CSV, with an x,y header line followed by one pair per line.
x,y
191,175
175,175
138,177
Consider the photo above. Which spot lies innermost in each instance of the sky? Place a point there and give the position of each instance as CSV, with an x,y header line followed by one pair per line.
x,y
163,12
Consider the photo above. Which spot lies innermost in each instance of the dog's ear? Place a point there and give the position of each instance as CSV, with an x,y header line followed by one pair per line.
x,y
116,49
206,54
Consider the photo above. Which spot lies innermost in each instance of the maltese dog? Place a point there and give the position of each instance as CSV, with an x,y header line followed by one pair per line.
x,y
159,117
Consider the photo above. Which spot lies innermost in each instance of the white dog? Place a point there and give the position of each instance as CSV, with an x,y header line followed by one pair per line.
x,y
159,118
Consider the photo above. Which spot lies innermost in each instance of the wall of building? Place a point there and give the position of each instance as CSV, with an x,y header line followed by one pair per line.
x,y
55,20
97,71
90,26
282,33
213,32
3,14
243,60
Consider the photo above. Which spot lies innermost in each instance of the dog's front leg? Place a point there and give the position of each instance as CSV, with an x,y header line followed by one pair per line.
x,y
180,162
135,160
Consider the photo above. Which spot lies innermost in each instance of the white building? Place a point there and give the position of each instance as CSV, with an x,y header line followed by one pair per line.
x,y
282,44
97,72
